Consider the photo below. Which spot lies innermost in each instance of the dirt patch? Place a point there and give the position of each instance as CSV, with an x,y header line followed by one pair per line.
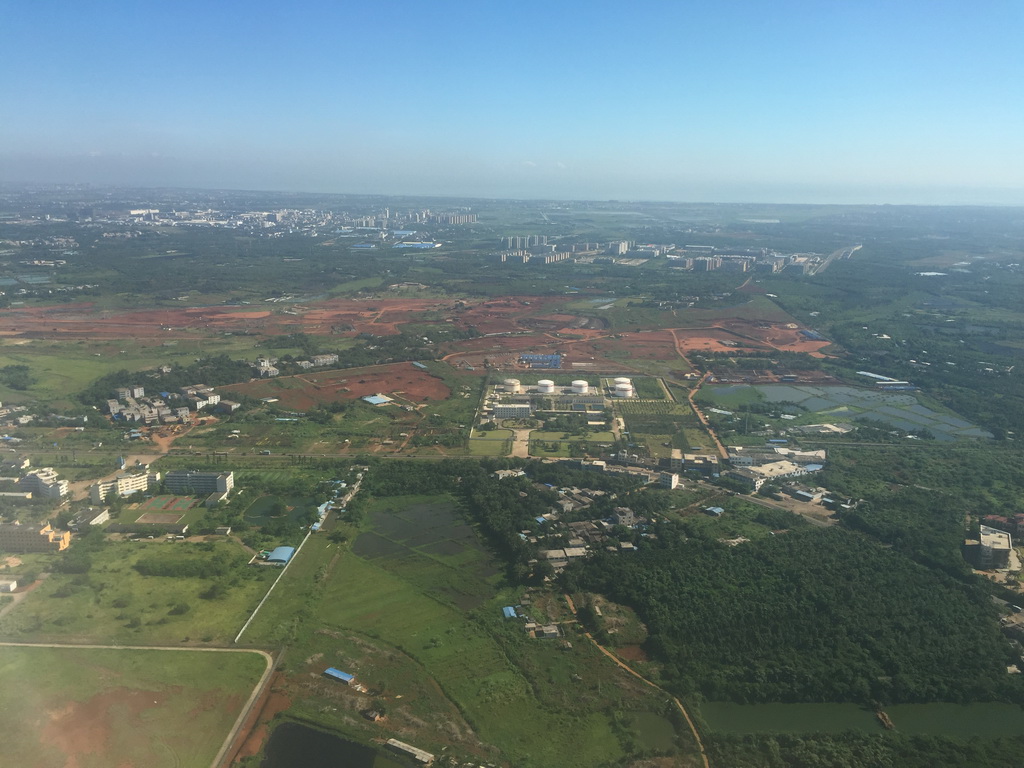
x,y
632,653
84,728
403,381
258,725
12,562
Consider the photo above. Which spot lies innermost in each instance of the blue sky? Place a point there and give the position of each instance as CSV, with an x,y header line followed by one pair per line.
x,y
827,101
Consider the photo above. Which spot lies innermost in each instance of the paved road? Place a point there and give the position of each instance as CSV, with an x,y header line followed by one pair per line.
x,y
521,443
844,253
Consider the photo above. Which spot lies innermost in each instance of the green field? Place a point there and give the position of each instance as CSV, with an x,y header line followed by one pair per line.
x,y
96,708
423,588
115,603
489,446
61,368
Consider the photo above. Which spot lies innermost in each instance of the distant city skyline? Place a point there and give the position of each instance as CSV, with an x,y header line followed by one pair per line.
x,y
789,102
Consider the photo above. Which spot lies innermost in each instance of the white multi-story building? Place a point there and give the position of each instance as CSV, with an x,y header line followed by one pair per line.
x,y
513,411
44,482
123,485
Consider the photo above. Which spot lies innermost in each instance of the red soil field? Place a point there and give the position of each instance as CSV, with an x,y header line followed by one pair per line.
x,y
539,316
308,390
344,317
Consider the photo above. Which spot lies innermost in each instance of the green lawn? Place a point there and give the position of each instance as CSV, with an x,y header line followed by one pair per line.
x,y
96,708
488,446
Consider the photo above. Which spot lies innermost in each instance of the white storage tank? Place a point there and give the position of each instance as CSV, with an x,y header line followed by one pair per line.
x,y
546,387
624,390
513,386
623,380
580,387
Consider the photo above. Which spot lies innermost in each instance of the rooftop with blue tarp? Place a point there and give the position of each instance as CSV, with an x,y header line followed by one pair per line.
x,y
337,674
377,399
509,612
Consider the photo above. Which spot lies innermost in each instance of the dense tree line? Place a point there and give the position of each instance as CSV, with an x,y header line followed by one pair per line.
x,y
16,377
812,615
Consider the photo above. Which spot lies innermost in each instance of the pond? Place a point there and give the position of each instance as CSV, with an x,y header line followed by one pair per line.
x,y
727,717
958,721
654,731
952,720
293,744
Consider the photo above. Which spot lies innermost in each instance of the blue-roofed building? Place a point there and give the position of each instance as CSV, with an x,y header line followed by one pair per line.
x,y
315,527
540,520
814,467
509,612
281,555
541,361
337,674
420,365
377,399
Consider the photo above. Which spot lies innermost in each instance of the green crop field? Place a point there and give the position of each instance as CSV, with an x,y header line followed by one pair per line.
x,y
96,708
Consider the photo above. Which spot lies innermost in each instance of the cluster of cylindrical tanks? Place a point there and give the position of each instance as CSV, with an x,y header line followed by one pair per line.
x,y
547,387
623,387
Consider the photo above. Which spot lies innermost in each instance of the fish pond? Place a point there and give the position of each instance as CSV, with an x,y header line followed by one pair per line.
x,y
959,721
902,410
294,744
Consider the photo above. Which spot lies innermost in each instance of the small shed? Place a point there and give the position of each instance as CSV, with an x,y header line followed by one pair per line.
x,y
337,674
281,555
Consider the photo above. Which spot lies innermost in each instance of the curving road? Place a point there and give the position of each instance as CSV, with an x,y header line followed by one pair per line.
x,y
630,670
